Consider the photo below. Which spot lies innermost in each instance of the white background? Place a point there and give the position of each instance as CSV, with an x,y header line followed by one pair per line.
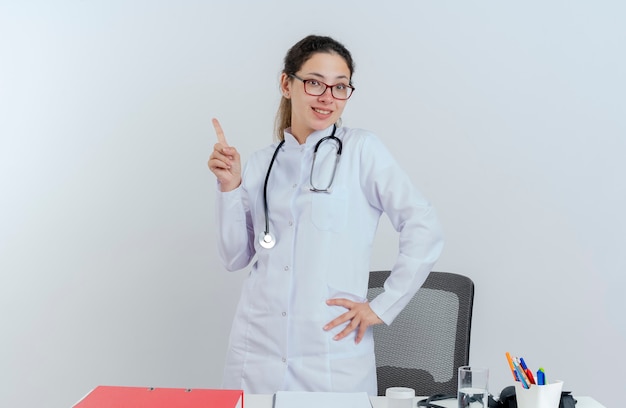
x,y
509,116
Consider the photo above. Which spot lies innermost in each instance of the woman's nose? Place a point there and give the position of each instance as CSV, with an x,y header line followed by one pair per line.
x,y
327,95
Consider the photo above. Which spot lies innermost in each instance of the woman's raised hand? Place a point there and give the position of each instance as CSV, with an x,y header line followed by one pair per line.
x,y
225,162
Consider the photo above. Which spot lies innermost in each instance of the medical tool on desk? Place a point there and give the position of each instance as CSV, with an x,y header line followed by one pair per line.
x,y
267,240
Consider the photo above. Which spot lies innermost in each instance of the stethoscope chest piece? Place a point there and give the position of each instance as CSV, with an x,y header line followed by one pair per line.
x,y
267,241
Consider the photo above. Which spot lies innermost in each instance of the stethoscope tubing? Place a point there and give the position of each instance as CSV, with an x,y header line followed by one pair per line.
x,y
267,240
337,157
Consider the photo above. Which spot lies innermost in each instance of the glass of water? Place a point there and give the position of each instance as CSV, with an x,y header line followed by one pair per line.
x,y
473,390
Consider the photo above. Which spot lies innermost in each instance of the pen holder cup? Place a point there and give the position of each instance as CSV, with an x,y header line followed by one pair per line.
x,y
539,396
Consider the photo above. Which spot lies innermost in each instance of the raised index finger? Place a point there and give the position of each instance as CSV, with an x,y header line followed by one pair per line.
x,y
220,133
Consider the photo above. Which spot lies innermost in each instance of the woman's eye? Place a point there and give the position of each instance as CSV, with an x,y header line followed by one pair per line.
x,y
313,82
341,87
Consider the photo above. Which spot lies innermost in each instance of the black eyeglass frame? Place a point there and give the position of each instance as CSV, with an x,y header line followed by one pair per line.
x,y
326,86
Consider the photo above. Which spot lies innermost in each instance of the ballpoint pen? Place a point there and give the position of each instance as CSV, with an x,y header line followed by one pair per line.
x,y
527,371
510,360
522,375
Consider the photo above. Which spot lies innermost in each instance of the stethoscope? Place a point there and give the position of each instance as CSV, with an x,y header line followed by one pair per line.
x,y
267,240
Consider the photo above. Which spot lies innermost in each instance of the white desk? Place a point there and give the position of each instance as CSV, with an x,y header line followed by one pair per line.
x,y
265,401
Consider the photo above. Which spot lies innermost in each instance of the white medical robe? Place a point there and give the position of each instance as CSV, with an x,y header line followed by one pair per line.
x,y
323,244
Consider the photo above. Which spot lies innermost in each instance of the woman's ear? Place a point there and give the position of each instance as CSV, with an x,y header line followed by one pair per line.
x,y
285,85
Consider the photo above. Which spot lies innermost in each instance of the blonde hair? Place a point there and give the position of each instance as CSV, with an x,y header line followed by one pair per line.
x,y
283,118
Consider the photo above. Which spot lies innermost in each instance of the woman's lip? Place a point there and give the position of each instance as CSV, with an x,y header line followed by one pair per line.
x,y
321,111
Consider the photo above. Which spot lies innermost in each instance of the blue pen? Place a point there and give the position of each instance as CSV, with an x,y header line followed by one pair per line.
x,y
521,375
541,377
529,373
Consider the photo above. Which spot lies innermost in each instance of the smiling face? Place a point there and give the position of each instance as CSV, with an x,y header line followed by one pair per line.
x,y
310,113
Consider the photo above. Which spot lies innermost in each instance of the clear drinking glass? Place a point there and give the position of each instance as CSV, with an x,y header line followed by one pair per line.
x,y
473,388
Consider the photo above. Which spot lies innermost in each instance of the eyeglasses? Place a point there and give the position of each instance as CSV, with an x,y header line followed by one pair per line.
x,y
314,87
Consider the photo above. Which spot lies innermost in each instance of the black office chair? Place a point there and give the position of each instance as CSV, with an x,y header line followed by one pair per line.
x,y
427,342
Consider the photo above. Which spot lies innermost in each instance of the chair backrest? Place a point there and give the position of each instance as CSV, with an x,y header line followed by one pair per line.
x,y
427,342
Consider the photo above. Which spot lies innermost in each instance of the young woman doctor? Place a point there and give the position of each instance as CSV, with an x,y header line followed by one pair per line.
x,y
307,208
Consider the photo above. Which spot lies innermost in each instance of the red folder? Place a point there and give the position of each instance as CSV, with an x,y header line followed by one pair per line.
x,y
143,397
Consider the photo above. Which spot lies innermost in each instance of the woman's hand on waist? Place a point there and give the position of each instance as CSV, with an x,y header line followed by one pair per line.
x,y
359,315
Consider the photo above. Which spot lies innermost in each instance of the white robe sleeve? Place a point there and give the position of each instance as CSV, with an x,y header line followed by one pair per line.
x,y
389,189
235,234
